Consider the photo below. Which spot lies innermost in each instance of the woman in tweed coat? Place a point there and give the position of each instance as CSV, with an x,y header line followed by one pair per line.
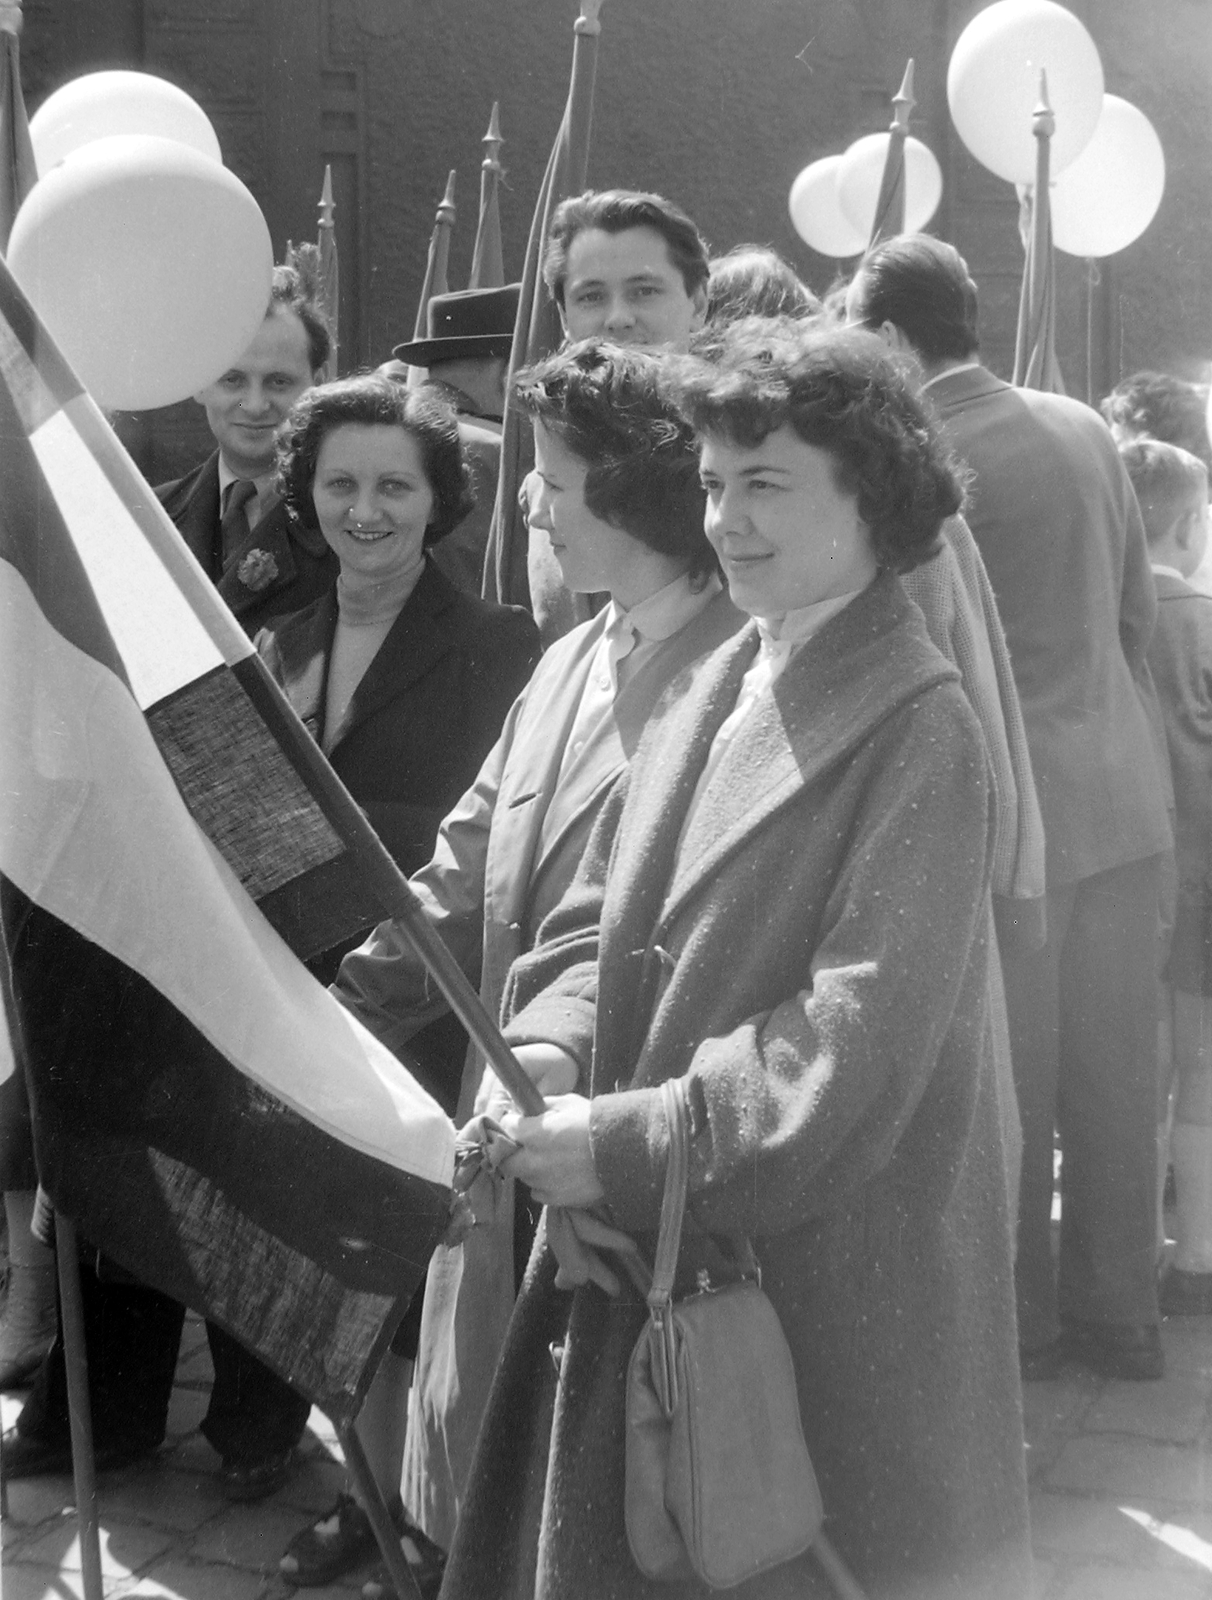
x,y
785,904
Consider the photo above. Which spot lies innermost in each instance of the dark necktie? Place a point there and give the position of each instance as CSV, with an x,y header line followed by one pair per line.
x,y
233,529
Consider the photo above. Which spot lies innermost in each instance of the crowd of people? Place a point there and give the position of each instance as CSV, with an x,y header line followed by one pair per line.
x,y
872,800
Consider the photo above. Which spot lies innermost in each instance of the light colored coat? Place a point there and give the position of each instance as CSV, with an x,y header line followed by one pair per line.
x,y
812,960
490,883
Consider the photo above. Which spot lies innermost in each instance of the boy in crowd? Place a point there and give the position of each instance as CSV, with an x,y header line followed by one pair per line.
x,y
1172,487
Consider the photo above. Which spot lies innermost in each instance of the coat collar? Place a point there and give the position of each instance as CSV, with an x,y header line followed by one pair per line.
x,y
955,389
264,563
416,640
865,662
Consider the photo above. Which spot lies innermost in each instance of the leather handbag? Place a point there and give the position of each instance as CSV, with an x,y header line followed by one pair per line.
x,y
719,1485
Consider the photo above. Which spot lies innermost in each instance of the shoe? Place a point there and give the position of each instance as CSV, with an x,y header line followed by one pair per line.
x,y
27,1456
1186,1294
337,1543
1130,1350
247,1481
1042,1363
27,1329
426,1563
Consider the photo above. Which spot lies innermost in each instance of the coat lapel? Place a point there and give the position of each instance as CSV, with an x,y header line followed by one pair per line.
x,y
263,564
197,518
304,647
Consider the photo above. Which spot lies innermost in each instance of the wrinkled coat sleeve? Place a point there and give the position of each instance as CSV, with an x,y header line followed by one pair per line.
x,y
807,1100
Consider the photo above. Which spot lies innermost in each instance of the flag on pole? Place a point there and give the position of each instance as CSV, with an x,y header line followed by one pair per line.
x,y
18,174
889,219
537,330
436,265
204,1110
488,258
1035,363
329,278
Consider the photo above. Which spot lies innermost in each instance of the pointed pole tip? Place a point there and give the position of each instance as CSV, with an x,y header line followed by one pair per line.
x,y
494,124
10,17
588,21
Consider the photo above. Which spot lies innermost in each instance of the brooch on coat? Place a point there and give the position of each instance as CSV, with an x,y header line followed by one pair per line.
x,y
257,570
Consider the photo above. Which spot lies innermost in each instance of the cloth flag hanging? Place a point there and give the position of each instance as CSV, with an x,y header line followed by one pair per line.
x,y
18,173
204,1110
889,219
1035,363
537,330
329,274
437,264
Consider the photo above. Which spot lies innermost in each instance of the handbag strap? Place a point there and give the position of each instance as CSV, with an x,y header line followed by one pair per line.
x,y
673,1205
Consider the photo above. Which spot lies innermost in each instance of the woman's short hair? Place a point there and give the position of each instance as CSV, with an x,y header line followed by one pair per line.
x,y
841,392
371,400
753,280
608,405
923,287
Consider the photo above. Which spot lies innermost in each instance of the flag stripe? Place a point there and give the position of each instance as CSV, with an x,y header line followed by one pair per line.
x,y
100,837
331,1237
57,383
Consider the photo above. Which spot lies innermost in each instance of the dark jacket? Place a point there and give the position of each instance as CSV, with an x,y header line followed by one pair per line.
x,y
813,962
289,566
1058,527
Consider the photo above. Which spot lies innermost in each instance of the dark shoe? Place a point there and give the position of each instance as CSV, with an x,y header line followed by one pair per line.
x,y
426,1563
1128,1350
1186,1294
337,1543
1041,1364
255,1480
31,1457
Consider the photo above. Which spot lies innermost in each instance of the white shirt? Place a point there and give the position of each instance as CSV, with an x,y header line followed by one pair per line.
x,y
629,639
1166,572
947,372
780,638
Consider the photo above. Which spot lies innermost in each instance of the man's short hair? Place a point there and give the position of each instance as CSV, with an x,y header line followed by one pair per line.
x,y
288,294
923,287
753,280
616,211
607,404
840,391
1169,482
1161,406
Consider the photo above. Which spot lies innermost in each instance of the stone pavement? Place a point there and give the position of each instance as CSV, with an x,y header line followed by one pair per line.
x,y
1121,1480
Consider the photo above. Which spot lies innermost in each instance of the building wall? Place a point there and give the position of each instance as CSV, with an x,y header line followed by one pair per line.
x,y
719,103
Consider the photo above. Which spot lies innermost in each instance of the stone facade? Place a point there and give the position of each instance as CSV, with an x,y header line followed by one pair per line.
x,y
719,103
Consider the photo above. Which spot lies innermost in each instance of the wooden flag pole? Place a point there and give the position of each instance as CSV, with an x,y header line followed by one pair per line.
x,y
75,1360
376,1509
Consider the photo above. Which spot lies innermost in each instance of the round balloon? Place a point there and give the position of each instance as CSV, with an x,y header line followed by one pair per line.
x,y
861,171
993,85
816,211
150,264
1111,193
102,104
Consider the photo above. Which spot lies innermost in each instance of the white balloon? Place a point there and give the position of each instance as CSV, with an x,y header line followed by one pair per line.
x,y
1111,193
816,211
993,85
102,104
862,169
150,265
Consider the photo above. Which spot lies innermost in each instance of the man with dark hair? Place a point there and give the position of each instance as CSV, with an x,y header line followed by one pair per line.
x,y
227,510
626,266
1060,532
1157,405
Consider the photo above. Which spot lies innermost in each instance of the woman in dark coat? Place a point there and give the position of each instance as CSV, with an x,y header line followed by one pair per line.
x,y
785,904
403,681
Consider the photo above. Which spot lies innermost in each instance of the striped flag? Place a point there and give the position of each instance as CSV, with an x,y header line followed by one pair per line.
x,y
171,841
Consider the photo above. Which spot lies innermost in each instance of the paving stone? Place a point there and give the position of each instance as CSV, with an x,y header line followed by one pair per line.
x,y
247,1536
1070,1525
313,1486
1187,1342
125,1549
1174,1409
1112,1464
180,1580
180,1501
35,1500
1126,1583
42,1583
187,1408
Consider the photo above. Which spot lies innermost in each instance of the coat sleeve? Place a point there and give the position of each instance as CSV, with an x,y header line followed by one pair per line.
x,y
799,1106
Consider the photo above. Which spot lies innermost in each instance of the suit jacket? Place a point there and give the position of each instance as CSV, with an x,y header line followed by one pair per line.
x,y
425,713
460,555
291,565
1180,655
1059,530
810,958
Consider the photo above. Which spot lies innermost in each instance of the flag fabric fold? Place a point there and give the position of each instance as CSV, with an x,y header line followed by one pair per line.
x,y
18,172
1035,362
171,841
537,330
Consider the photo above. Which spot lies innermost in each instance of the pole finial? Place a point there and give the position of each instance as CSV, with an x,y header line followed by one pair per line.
x,y
588,21
326,206
10,17
446,208
492,140
1043,118
903,101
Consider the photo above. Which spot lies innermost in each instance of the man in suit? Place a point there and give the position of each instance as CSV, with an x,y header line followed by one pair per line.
x,y
1060,532
227,509
263,565
466,349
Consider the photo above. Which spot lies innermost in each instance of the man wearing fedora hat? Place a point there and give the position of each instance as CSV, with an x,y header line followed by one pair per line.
x,y
467,354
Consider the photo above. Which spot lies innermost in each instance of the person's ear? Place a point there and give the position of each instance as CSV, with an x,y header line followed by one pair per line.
x,y
699,301
894,338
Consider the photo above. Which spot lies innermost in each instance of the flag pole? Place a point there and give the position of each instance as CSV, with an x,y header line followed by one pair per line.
x,y
376,1510
487,260
436,263
1035,363
75,1360
889,218
329,284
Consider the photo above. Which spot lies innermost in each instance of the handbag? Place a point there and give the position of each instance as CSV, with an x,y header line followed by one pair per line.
x,y
719,1485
